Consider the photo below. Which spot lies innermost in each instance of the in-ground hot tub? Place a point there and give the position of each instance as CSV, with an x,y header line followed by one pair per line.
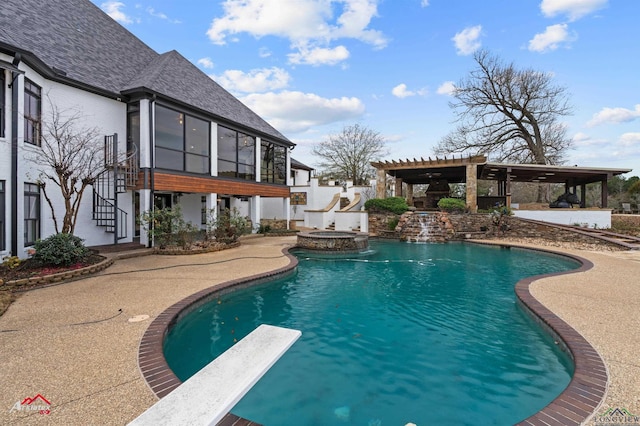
x,y
333,240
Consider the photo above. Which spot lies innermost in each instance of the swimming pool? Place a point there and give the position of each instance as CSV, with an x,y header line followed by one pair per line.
x,y
423,333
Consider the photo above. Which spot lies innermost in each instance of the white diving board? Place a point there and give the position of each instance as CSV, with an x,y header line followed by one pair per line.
x,y
206,397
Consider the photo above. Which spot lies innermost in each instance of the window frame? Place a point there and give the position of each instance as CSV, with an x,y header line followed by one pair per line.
x,y
32,192
184,156
238,168
269,171
32,93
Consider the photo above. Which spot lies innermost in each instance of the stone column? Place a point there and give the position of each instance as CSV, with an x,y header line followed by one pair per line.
x,y
604,193
398,191
472,188
410,194
381,183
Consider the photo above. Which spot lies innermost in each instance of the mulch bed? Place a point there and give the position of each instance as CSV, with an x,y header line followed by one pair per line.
x,y
30,269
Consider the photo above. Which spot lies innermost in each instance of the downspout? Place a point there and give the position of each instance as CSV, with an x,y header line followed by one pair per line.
x,y
14,157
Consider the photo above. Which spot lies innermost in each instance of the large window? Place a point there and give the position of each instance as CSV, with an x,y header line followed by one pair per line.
x,y
31,213
274,163
3,213
32,112
236,154
182,141
2,100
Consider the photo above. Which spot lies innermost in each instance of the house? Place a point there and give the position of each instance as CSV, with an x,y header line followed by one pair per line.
x,y
172,135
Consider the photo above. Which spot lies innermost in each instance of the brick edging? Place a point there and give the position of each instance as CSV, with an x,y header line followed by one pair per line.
x,y
579,401
576,404
151,362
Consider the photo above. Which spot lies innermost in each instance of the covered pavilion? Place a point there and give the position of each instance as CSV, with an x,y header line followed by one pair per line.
x,y
440,172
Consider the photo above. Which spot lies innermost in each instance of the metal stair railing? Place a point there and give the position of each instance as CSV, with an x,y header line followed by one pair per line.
x,y
116,178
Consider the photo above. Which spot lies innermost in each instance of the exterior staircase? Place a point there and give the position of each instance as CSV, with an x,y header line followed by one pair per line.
x,y
119,175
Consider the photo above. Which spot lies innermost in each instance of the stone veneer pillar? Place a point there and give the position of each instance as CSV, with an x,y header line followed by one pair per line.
x,y
472,188
381,183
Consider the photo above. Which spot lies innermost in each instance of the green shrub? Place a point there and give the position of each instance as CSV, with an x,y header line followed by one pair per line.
x,y
393,223
263,229
228,226
167,227
397,205
60,250
451,205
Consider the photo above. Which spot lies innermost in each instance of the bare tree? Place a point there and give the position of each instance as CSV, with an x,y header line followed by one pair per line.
x,y
71,158
348,155
509,114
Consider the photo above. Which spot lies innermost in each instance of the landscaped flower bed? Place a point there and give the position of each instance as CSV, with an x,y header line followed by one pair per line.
x,y
29,273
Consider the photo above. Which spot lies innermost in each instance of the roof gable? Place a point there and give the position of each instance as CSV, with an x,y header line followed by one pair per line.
x,y
77,43
77,38
172,75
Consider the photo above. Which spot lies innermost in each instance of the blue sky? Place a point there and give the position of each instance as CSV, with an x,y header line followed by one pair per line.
x,y
311,67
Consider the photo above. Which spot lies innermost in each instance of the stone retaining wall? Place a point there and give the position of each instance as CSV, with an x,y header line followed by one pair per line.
x,y
274,224
480,226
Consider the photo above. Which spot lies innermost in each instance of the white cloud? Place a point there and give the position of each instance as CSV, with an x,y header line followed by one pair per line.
x,y
151,11
424,3
310,25
446,88
400,91
294,112
551,39
264,52
319,56
631,139
581,139
466,41
614,115
256,80
113,9
206,63
574,9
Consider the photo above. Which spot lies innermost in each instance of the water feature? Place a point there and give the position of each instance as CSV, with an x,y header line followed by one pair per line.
x,y
344,241
422,227
422,333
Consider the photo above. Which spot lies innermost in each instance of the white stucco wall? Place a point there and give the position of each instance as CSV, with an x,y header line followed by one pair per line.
x,y
581,217
108,116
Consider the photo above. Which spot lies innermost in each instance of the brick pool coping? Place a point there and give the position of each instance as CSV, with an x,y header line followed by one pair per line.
x,y
575,405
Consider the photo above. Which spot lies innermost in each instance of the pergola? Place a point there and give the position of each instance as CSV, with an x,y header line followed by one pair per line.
x,y
470,169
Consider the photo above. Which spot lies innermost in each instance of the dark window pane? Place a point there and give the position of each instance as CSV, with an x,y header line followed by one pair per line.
x,y
227,144
197,134
226,168
32,111
246,172
197,163
168,159
169,128
246,149
31,213
280,164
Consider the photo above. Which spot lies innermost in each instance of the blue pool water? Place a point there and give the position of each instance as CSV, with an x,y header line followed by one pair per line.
x,y
422,333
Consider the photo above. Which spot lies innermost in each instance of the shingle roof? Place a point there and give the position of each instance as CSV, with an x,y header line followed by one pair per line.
x,y
295,164
174,76
78,43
